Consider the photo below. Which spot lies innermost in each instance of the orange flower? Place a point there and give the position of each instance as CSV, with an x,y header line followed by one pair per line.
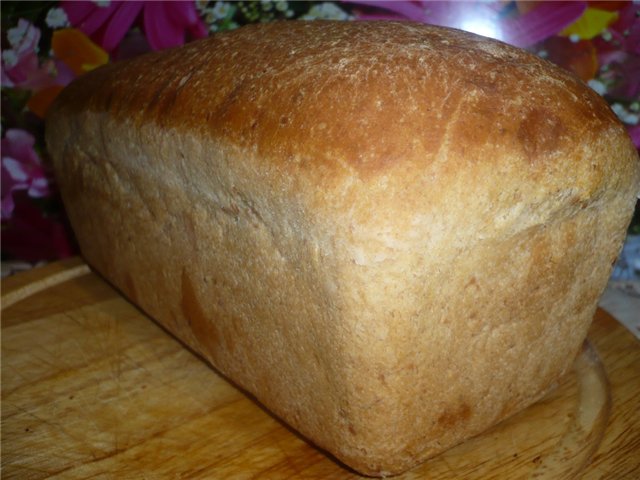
x,y
40,101
77,50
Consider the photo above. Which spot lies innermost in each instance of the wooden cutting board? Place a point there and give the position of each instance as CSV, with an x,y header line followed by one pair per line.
x,y
92,388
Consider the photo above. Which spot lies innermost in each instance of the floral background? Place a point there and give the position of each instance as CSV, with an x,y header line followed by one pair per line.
x,y
45,45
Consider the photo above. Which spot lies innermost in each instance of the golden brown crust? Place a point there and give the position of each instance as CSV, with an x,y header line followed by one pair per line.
x,y
393,235
335,92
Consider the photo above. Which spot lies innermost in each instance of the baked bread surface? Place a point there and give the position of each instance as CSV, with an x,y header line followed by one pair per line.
x,y
392,235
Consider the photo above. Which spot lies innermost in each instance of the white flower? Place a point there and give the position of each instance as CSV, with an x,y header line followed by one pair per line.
x,y
618,109
266,5
598,86
325,11
201,5
221,9
209,16
16,34
102,3
24,37
574,37
624,115
57,18
9,58
281,6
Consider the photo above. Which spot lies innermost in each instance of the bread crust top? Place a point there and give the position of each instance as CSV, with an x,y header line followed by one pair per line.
x,y
355,96
346,113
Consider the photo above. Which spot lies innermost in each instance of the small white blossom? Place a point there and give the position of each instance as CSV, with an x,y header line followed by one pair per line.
x,y
624,115
221,9
102,3
9,58
598,86
325,11
57,18
574,37
543,54
16,34
282,6
266,5
201,5
618,109
209,16
23,38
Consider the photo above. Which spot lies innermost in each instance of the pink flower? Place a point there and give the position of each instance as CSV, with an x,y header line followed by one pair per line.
x,y
619,53
634,133
543,21
623,35
165,23
392,10
488,19
21,169
32,236
20,65
24,38
623,74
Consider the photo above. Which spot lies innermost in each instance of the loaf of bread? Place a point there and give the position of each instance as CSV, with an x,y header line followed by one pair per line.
x,y
393,235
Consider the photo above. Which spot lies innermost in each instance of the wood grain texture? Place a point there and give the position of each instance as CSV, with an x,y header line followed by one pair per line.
x,y
92,388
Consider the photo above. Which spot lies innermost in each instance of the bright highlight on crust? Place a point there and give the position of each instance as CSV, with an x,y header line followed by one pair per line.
x,y
482,26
